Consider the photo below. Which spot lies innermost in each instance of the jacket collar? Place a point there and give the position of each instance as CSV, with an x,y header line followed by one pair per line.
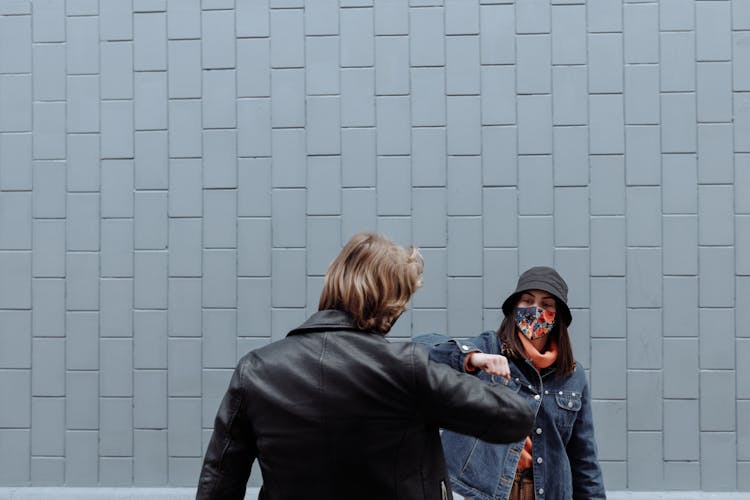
x,y
327,320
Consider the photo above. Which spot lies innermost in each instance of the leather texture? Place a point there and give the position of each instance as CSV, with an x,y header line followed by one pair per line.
x,y
334,413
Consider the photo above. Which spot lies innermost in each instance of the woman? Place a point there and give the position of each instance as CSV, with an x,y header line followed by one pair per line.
x,y
532,350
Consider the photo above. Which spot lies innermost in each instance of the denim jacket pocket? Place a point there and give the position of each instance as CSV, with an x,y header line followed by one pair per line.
x,y
568,404
507,382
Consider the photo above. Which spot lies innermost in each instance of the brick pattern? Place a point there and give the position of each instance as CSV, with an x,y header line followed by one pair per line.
x,y
176,175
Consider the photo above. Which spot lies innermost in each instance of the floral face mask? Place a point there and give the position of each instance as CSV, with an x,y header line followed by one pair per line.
x,y
534,322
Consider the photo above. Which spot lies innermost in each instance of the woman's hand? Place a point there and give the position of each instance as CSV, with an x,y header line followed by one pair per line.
x,y
494,364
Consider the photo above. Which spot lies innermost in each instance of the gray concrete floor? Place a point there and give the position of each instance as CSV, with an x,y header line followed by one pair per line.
x,y
252,494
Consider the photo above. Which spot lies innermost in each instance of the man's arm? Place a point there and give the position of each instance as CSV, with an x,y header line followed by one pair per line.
x,y
467,405
231,451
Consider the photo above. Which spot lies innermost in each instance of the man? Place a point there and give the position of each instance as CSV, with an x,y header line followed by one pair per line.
x,y
335,411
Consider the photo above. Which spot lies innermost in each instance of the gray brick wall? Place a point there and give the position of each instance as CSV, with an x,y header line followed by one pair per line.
x,y
176,175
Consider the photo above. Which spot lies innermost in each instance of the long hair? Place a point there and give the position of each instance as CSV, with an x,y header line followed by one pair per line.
x,y
513,347
372,279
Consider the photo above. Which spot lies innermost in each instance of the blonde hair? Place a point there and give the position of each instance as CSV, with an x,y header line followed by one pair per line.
x,y
372,279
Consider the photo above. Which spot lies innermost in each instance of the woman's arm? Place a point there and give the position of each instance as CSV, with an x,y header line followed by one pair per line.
x,y
453,352
587,475
469,356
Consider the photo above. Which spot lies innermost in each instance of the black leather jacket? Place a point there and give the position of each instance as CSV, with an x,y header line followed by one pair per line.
x,y
335,413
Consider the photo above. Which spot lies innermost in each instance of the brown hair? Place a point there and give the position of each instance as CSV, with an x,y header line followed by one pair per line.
x,y
372,279
513,348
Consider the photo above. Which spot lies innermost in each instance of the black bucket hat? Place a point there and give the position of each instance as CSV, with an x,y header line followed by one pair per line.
x,y
541,278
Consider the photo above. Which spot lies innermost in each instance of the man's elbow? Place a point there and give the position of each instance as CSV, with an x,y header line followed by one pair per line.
x,y
525,421
514,421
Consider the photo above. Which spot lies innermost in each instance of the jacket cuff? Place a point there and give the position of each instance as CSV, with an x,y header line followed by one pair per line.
x,y
468,368
464,349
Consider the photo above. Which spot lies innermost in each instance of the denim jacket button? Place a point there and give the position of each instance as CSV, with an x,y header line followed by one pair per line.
x,y
541,491
560,393
538,430
537,397
570,404
539,460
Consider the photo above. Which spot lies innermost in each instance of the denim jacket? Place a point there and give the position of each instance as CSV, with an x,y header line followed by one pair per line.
x,y
564,449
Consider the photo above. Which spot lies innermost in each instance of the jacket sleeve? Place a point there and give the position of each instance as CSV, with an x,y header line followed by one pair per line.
x,y
588,482
453,352
232,450
465,404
